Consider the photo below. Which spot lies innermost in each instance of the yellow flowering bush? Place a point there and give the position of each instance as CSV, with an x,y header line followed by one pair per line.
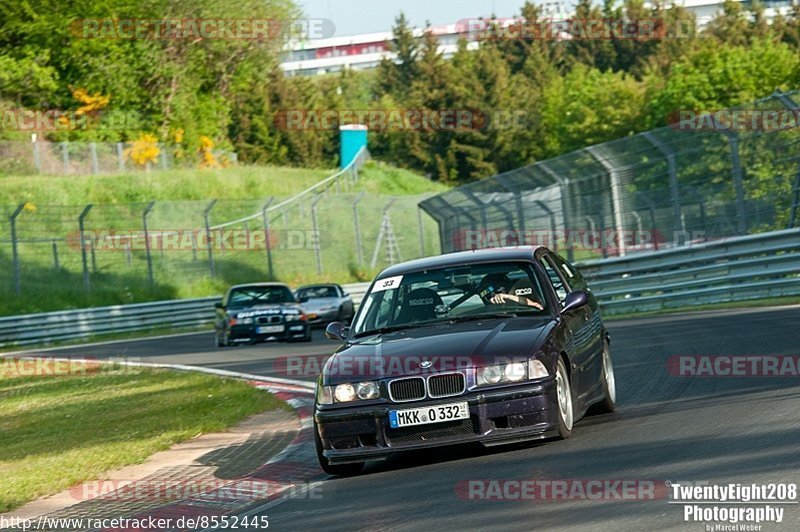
x,y
144,150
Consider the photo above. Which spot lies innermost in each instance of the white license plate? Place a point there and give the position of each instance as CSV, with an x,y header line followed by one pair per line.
x,y
428,414
270,329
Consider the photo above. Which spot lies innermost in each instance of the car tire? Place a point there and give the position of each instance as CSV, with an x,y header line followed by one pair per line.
x,y
564,405
338,470
609,385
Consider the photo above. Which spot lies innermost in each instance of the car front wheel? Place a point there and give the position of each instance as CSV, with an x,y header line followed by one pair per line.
x,y
566,413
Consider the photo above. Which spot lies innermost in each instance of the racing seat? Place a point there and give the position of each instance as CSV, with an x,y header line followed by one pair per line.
x,y
524,288
419,305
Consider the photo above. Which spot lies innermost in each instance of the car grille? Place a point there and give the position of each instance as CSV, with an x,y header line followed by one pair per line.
x,y
263,320
446,385
407,389
447,430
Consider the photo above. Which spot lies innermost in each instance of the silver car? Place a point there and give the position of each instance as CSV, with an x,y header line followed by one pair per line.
x,y
323,303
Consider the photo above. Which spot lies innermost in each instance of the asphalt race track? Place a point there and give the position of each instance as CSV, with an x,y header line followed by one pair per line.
x,y
668,428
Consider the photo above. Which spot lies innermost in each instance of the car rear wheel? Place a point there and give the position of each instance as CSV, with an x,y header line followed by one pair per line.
x,y
609,384
339,470
566,414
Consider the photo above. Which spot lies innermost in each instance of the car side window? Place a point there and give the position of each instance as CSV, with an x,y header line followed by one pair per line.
x,y
570,272
561,288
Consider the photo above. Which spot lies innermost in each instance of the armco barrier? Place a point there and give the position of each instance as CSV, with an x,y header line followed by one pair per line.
x,y
733,269
48,327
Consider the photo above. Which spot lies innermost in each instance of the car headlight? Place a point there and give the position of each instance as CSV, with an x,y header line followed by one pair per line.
x,y
490,375
247,321
511,372
367,390
295,317
344,393
515,372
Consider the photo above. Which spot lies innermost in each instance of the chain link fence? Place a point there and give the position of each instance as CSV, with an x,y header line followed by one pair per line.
x,y
707,176
175,249
84,158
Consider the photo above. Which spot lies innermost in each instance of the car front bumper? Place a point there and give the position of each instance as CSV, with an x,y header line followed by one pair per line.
x,y
249,333
506,415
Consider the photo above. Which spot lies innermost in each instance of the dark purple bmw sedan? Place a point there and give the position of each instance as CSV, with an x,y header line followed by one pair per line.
x,y
490,346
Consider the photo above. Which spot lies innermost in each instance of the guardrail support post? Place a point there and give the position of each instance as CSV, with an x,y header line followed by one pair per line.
x,y
267,243
147,241
359,250
206,215
14,251
84,259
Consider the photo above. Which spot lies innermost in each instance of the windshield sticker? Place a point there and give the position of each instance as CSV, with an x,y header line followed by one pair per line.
x,y
390,283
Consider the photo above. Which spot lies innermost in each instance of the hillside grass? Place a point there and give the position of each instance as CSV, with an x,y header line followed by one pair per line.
x,y
118,277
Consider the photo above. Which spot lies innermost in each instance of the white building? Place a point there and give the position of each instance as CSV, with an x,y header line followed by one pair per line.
x,y
365,51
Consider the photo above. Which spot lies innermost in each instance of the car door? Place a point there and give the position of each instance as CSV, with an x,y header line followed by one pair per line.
x,y
579,344
593,325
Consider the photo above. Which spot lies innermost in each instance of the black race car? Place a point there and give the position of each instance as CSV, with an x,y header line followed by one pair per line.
x,y
257,312
490,346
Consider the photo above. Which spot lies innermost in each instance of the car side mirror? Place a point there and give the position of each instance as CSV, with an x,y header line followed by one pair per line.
x,y
218,304
336,330
345,294
575,300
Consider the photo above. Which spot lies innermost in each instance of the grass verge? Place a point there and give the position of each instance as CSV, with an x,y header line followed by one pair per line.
x,y
69,427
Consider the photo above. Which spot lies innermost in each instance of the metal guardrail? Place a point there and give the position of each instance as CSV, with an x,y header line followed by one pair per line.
x,y
731,269
741,268
49,327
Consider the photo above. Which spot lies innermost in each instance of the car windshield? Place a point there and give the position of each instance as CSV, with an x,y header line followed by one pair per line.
x,y
446,295
248,296
314,292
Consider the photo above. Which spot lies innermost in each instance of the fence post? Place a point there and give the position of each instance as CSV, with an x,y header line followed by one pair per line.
x,y
164,162
93,153
84,259
65,156
317,251
206,214
14,250
267,244
736,172
359,251
56,265
147,241
563,189
120,157
616,199
421,232
679,221
37,156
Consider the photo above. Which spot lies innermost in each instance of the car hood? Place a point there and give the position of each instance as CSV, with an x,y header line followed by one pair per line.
x,y
319,302
446,347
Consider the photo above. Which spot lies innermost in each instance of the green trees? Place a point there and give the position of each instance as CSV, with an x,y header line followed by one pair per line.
x,y
527,98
